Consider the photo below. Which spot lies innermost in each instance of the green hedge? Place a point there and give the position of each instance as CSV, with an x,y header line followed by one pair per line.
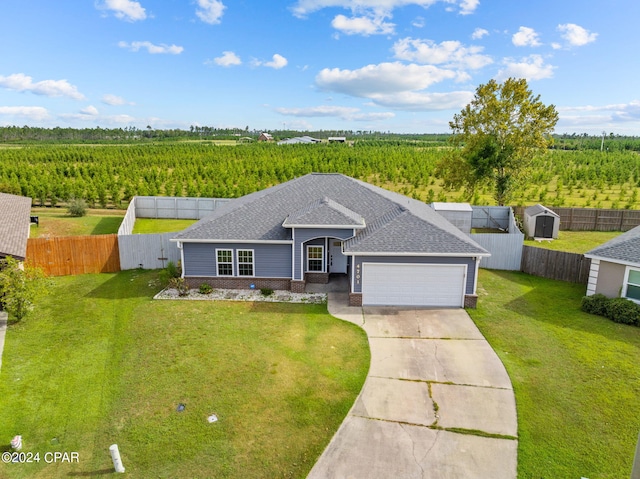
x,y
618,310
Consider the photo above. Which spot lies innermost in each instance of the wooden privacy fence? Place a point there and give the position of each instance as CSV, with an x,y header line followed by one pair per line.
x,y
560,265
593,219
69,255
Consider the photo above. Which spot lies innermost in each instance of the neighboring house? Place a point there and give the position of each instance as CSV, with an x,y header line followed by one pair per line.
x,y
265,137
15,221
300,140
394,250
615,267
337,139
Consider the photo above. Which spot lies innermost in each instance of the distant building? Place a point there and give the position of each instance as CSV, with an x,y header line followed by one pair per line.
x,y
337,139
265,137
304,140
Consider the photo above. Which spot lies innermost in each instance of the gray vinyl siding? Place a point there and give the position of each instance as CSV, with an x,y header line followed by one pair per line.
x,y
303,235
470,262
270,260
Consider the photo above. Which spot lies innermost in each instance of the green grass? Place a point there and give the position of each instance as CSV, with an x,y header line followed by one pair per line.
x,y
101,363
57,222
576,376
153,226
575,241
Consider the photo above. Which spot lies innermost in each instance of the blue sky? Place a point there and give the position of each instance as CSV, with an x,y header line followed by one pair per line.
x,y
403,66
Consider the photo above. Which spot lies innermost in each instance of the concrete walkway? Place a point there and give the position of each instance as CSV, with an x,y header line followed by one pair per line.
x,y
437,402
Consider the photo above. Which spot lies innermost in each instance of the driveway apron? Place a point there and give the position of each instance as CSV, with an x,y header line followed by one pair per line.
x,y
437,402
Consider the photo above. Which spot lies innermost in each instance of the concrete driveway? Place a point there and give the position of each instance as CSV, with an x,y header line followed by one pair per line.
x,y
437,402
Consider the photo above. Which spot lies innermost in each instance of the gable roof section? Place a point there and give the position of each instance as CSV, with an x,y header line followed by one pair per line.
x,y
15,221
539,209
621,249
324,213
394,223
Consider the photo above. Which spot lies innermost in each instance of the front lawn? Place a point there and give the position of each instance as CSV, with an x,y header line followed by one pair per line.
x,y
576,376
102,363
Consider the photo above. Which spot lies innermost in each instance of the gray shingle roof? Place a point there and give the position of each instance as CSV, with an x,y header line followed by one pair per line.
x,y
624,248
15,214
394,223
537,209
324,212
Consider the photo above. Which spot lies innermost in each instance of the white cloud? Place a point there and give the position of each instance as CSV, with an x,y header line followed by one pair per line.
x,y
366,25
419,101
114,100
478,33
449,53
124,9
152,48
34,113
303,8
530,68
343,112
277,62
526,37
227,59
381,79
575,35
210,11
418,22
90,110
51,88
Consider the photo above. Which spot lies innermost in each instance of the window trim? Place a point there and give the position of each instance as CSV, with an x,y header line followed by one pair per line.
x,y
252,263
626,283
219,263
322,265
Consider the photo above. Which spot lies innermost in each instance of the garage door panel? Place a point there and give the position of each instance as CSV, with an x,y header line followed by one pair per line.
x,y
413,284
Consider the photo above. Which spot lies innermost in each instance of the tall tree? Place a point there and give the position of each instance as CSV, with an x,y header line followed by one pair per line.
x,y
499,133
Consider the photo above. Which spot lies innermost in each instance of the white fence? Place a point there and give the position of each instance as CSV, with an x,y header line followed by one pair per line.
x,y
505,248
154,251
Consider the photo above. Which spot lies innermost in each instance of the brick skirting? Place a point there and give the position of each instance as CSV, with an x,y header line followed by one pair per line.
x,y
297,286
355,299
318,278
471,301
241,283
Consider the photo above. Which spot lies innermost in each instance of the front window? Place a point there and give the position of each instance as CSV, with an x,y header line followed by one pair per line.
x,y
632,289
245,262
224,260
315,256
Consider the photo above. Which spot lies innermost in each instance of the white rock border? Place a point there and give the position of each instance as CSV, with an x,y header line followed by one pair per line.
x,y
278,296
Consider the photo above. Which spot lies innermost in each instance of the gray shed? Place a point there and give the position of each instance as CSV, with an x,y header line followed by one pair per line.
x,y
541,222
458,214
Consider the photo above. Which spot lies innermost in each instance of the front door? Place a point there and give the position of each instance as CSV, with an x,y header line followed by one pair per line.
x,y
337,261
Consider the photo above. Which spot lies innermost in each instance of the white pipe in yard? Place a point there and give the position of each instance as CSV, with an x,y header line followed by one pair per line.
x,y
115,457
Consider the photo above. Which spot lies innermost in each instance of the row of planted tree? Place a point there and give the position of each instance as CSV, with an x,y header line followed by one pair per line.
x,y
111,175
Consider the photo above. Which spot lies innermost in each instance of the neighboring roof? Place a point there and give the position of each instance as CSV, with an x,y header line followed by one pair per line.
x,y
306,140
324,213
439,206
621,249
15,220
539,209
394,223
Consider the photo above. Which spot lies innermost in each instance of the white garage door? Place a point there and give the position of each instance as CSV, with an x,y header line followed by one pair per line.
x,y
413,284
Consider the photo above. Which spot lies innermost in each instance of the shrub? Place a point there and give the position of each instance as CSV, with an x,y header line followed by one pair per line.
x,y
77,207
266,291
205,289
618,310
622,310
172,270
596,304
180,285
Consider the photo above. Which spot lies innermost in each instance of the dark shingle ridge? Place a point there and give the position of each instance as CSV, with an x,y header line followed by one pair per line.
x,y
625,247
324,211
15,221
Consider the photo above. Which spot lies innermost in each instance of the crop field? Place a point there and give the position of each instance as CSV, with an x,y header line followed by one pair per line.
x,y
108,176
